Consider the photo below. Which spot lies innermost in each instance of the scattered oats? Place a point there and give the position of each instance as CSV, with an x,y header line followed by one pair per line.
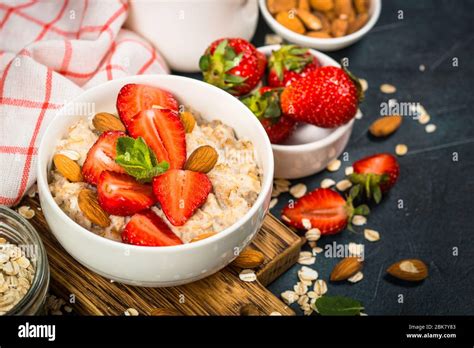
x,y
306,223
401,149
304,299
273,39
289,297
359,114
312,294
131,312
356,277
327,183
423,118
320,287
371,235
430,128
68,309
33,191
75,156
285,218
364,84
313,301
275,192
307,274
356,249
343,185
363,314
306,258
248,275
388,88
23,262
300,288
308,311
334,165
282,182
349,170
313,234
298,190
316,250
26,212
273,203
359,220
422,67
276,314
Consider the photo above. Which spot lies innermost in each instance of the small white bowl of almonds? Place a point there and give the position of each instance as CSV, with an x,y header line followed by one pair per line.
x,y
326,25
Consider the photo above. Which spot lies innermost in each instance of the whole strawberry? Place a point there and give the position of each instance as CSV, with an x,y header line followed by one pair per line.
x,y
265,104
375,174
327,97
288,64
324,209
234,65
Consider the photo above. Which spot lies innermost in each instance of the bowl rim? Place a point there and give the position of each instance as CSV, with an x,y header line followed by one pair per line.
x,y
266,185
318,41
338,131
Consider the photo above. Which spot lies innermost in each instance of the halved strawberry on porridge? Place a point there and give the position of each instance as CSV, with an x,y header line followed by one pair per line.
x,y
170,178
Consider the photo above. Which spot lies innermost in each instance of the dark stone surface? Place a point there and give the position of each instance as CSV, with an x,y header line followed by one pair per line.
x,y
437,192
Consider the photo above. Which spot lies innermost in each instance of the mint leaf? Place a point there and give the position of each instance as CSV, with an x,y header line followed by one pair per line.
x,y
138,159
338,305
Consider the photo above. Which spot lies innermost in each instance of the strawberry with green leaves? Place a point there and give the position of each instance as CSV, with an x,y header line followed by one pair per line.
x,y
234,65
327,97
375,175
288,64
265,104
325,209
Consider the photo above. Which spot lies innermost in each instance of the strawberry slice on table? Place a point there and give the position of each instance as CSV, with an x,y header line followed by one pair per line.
x,y
325,209
327,97
181,193
163,132
234,65
148,229
101,156
375,174
288,64
265,104
120,194
133,98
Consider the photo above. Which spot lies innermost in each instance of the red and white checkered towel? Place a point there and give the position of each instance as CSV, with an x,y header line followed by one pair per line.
x,y
49,51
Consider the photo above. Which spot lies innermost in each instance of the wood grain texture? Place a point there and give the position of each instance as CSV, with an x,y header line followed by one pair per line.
x,y
220,294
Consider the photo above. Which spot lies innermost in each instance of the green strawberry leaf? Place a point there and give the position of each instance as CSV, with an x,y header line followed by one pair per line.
x,y
138,159
338,305
204,62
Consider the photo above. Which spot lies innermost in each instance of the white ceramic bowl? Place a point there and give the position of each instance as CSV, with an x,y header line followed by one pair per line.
x,y
327,45
309,149
157,266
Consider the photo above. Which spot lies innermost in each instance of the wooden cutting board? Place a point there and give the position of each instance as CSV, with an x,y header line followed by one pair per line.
x,y
220,294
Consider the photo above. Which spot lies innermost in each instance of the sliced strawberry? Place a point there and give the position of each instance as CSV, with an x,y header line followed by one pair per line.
x,y
148,229
133,98
181,193
376,174
324,208
164,132
101,156
120,194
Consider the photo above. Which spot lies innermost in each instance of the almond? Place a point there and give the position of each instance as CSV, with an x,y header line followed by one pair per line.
x,y
249,258
188,121
346,268
322,5
326,24
91,209
290,21
202,236
304,5
361,6
357,23
103,121
412,270
345,8
68,168
339,27
165,312
310,20
275,6
203,159
385,125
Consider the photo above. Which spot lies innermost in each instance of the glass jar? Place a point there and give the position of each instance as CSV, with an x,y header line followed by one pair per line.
x,y
17,230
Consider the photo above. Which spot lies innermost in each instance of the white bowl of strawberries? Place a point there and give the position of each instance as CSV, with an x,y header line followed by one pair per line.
x,y
303,98
167,192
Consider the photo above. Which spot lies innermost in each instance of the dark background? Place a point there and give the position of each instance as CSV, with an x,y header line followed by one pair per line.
x,y
437,192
